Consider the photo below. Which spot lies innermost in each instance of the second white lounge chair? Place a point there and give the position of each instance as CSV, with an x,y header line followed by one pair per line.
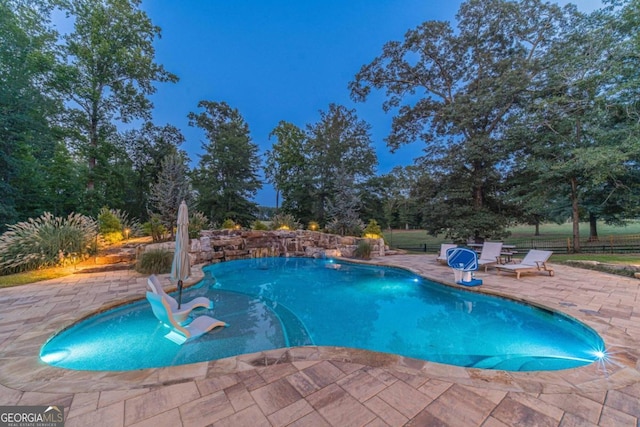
x,y
181,313
490,254
535,260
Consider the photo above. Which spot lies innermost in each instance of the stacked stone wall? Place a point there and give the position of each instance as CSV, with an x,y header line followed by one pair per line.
x,y
227,245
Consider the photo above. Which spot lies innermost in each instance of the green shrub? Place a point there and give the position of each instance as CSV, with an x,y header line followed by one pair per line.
x,y
115,225
372,230
155,228
197,222
108,222
363,250
46,241
284,222
157,261
228,224
112,237
259,225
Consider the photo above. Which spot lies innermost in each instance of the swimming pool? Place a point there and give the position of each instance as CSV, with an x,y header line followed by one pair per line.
x,y
273,303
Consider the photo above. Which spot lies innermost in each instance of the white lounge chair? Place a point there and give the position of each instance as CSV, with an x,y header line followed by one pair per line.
x,y
442,258
180,334
180,314
535,260
490,254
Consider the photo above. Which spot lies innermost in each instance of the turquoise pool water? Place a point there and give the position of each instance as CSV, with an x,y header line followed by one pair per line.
x,y
279,302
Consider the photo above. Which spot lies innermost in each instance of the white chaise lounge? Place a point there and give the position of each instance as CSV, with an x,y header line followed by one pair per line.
x,y
180,314
177,333
535,260
490,254
442,258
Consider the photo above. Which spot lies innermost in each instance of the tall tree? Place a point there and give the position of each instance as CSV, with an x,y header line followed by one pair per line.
x,y
625,19
226,178
454,89
339,143
109,78
287,168
567,150
28,108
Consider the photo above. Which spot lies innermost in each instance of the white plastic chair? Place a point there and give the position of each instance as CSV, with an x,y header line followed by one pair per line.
x,y
180,334
181,313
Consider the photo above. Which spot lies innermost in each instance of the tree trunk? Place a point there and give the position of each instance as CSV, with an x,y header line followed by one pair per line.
x,y
478,204
575,215
537,232
478,197
593,227
574,198
93,143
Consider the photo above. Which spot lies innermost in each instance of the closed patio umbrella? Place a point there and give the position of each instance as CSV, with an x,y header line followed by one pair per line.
x,y
181,267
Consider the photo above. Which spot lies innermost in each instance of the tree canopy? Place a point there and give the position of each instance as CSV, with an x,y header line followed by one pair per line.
x,y
510,78
28,109
455,88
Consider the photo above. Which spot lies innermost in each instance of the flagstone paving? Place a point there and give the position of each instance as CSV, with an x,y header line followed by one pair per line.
x,y
329,386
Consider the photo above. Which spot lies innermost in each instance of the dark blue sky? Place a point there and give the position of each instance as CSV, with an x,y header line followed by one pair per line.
x,y
279,60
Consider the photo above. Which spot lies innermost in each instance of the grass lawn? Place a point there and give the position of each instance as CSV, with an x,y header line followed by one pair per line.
x,y
559,231
34,276
622,259
547,231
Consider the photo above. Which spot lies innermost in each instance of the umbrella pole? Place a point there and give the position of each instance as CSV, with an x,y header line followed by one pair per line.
x,y
179,293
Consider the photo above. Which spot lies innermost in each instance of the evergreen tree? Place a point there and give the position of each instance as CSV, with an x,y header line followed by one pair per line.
x,y
342,209
226,178
340,143
171,189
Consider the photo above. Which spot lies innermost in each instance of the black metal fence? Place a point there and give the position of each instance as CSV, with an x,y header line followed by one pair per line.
x,y
423,247
608,244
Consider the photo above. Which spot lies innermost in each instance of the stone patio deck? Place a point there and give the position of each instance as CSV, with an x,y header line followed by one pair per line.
x,y
327,386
